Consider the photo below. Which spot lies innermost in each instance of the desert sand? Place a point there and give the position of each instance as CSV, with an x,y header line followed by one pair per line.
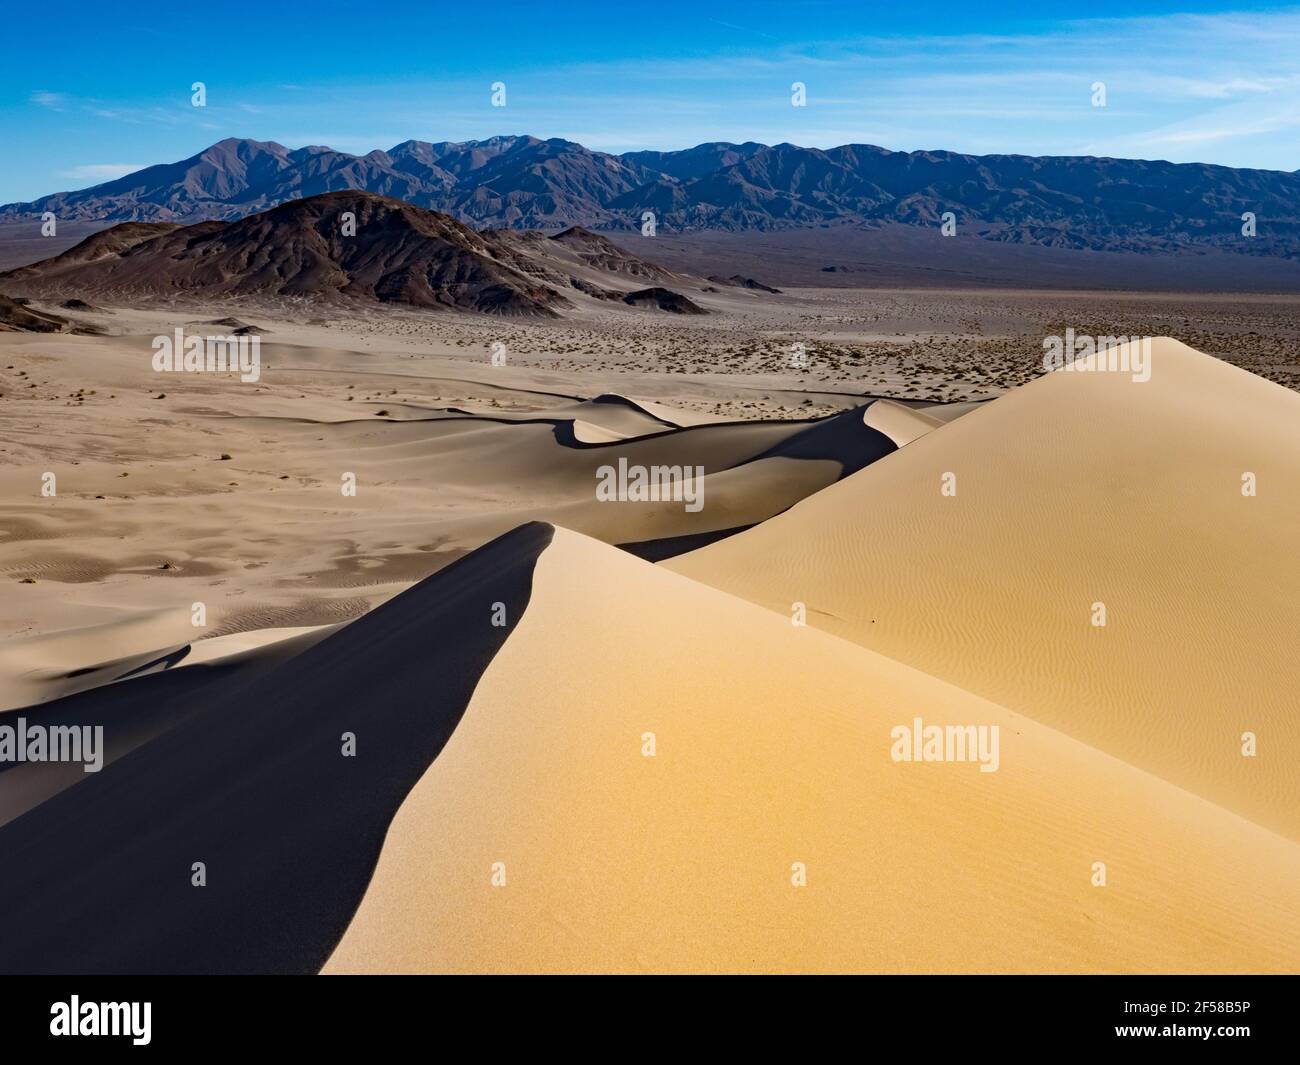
x,y
327,613
240,772
772,747
177,489
1077,489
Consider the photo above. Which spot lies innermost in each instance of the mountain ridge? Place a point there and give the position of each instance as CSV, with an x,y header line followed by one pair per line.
x,y
524,182
349,244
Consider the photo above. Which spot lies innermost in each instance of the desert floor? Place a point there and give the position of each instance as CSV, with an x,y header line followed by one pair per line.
x,y
201,522
148,512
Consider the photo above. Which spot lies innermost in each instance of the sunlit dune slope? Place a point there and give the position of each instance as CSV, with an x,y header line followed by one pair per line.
x,y
1076,492
772,747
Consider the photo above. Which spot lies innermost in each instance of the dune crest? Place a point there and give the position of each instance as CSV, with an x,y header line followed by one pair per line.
x,y
544,839
1078,493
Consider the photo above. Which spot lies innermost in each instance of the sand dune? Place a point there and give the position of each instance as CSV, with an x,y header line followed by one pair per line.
x,y
772,747
36,668
1077,489
332,613
633,417
901,424
523,744
249,776
149,517
137,705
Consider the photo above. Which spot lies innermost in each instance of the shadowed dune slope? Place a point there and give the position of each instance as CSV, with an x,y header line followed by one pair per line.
x,y
536,468
150,519
132,713
136,699
772,747
253,783
1075,490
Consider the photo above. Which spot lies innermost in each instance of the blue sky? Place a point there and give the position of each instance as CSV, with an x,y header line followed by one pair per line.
x,y
87,95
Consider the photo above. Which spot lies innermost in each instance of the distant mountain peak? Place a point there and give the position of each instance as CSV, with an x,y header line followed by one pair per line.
x,y
391,251
519,181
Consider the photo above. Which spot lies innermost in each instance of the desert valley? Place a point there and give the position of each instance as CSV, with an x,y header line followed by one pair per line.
x,y
531,594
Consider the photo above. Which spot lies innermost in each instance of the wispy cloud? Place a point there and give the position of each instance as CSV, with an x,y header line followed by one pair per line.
x,y
1222,88
1177,86
53,100
100,171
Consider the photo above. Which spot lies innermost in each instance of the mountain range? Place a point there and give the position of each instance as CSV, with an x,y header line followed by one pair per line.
x,y
358,245
522,182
